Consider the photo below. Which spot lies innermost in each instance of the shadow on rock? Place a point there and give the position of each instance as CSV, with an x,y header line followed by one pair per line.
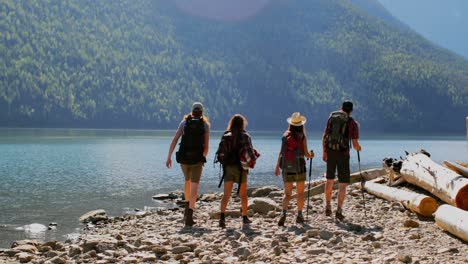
x,y
357,228
195,230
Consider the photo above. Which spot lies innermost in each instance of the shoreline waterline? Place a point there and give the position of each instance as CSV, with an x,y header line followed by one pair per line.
x,y
57,179
386,232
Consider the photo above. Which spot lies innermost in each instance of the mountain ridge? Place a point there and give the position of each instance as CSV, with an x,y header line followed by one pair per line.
x,y
101,66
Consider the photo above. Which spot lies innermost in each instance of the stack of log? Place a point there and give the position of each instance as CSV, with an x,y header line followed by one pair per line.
x,y
418,169
447,184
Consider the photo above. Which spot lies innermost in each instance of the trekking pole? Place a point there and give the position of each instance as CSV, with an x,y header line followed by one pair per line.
x,y
362,183
308,188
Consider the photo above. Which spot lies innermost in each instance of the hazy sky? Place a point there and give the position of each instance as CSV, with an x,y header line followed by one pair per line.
x,y
444,22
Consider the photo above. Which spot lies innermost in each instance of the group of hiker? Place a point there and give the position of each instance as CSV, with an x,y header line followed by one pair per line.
x,y
237,155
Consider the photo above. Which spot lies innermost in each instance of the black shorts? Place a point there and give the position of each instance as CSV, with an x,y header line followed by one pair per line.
x,y
338,160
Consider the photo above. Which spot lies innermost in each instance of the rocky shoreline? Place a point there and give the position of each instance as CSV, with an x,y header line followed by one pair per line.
x,y
385,233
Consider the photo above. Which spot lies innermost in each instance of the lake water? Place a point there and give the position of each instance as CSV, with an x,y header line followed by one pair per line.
x,y
56,175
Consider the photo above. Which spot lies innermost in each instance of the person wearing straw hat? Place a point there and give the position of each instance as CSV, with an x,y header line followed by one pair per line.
x,y
292,164
195,132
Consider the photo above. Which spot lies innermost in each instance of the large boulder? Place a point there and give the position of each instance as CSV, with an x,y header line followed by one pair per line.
x,y
264,191
24,257
24,242
210,197
181,249
94,216
99,243
27,248
178,194
263,205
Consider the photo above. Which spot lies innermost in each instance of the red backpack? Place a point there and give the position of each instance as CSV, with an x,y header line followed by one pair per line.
x,y
292,152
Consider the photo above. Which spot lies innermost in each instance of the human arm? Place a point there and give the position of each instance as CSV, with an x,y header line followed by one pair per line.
x,y
277,168
309,155
354,135
207,142
324,147
356,144
172,147
280,156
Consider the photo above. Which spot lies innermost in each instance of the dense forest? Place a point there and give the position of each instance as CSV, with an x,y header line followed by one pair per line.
x,y
140,64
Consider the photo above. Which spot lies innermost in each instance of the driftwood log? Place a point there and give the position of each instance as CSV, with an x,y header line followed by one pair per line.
x,y
458,168
450,187
453,220
318,187
415,202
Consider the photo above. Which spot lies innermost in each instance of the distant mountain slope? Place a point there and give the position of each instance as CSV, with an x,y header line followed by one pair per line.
x,y
443,22
142,63
375,8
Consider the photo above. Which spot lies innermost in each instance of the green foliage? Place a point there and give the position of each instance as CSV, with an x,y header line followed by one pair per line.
x,y
142,64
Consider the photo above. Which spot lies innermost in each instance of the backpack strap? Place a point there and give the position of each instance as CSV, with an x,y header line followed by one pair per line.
x,y
284,146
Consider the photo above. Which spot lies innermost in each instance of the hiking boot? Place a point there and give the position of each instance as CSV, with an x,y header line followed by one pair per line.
x,y
339,215
299,219
222,221
185,204
189,218
246,220
328,211
282,220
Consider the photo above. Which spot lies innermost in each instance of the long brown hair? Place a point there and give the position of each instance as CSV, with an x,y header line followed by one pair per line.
x,y
198,114
237,124
296,131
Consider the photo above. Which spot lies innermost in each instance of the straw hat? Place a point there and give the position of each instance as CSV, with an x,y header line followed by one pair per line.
x,y
296,119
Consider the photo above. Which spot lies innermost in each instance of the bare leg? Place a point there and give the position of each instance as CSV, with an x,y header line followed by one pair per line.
x,y
328,191
288,186
341,194
243,197
300,186
187,190
193,194
227,195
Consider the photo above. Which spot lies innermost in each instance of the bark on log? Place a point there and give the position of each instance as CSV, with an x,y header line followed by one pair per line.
x,y
453,220
463,171
398,182
452,188
415,202
319,186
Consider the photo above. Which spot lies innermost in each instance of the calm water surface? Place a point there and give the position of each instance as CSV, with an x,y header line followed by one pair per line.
x,y
56,175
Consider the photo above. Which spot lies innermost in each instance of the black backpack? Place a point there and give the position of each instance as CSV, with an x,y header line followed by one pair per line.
x,y
193,141
337,137
228,150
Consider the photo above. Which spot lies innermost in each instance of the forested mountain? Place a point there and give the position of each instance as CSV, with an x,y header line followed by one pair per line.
x,y
142,63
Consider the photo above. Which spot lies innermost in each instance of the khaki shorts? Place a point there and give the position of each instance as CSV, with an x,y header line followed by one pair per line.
x,y
232,173
293,177
192,172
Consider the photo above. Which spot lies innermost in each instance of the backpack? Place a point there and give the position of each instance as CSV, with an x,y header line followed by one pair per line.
x,y
193,141
337,137
292,152
228,150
